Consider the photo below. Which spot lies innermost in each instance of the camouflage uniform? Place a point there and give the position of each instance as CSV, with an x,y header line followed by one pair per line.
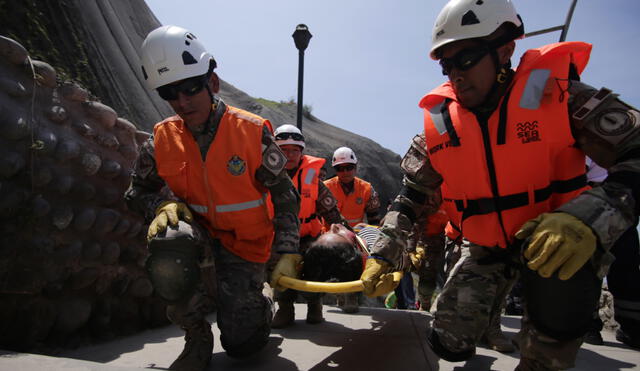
x,y
609,210
244,303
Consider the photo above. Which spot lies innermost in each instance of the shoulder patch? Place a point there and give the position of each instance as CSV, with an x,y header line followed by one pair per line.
x,y
273,159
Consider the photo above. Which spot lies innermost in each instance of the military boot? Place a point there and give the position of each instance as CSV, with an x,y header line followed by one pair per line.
x,y
495,338
197,351
314,312
285,315
350,303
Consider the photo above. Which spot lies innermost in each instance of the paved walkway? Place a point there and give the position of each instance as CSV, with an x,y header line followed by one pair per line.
x,y
374,339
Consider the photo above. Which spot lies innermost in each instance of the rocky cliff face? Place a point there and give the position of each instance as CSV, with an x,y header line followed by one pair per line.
x,y
71,254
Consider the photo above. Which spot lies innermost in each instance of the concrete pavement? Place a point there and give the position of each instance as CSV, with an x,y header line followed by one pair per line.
x,y
373,339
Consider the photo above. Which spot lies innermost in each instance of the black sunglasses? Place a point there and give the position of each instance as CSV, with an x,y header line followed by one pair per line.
x,y
464,59
347,167
188,87
294,136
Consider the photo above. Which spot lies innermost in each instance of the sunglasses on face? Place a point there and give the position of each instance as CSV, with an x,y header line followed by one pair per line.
x,y
188,87
294,136
348,167
463,60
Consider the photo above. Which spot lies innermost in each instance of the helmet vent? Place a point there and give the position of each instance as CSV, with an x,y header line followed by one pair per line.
x,y
144,73
469,18
479,2
187,58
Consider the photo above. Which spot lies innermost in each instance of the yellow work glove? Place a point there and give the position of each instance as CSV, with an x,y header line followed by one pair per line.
x,y
169,212
417,257
558,241
289,265
377,278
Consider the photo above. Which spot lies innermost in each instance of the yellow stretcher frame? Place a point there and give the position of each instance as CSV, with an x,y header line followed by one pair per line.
x,y
327,287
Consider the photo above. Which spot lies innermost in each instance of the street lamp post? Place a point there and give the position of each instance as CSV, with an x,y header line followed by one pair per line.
x,y
301,37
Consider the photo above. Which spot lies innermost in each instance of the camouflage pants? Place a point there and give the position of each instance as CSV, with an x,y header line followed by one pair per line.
x,y
477,288
244,307
431,274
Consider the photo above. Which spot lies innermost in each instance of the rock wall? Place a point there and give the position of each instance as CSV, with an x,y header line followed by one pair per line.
x,y
71,254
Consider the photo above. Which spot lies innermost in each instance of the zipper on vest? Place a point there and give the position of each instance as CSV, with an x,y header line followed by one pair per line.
x,y
486,139
208,192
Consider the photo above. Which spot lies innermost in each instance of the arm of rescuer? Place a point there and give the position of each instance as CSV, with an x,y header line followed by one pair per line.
x,y
327,207
147,190
608,131
372,208
286,204
420,185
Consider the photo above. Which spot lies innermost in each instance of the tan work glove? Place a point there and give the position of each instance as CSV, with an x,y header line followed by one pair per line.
x,y
377,278
168,212
417,257
558,241
289,265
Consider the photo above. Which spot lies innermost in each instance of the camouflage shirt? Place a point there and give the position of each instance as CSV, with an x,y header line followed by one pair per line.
x,y
610,135
148,189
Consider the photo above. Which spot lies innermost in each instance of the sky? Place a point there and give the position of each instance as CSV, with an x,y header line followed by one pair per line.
x,y
367,64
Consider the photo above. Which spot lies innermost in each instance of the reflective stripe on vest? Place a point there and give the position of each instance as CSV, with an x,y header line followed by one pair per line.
x,y
309,177
200,209
533,90
239,207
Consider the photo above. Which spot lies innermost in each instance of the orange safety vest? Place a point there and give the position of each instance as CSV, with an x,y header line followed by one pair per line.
x,y
352,207
222,190
306,182
520,163
436,222
452,232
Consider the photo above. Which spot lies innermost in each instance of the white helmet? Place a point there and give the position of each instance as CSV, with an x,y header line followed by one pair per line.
x,y
172,53
469,19
343,155
289,134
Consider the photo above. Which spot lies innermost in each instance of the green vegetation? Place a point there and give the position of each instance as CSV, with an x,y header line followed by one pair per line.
x,y
48,31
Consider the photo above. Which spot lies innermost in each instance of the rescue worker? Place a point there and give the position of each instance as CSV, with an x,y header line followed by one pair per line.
x,y
356,198
508,150
202,180
316,204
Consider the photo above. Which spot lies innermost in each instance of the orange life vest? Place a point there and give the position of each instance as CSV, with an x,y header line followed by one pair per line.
x,y
352,206
521,162
452,232
306,182
436,222
222,190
